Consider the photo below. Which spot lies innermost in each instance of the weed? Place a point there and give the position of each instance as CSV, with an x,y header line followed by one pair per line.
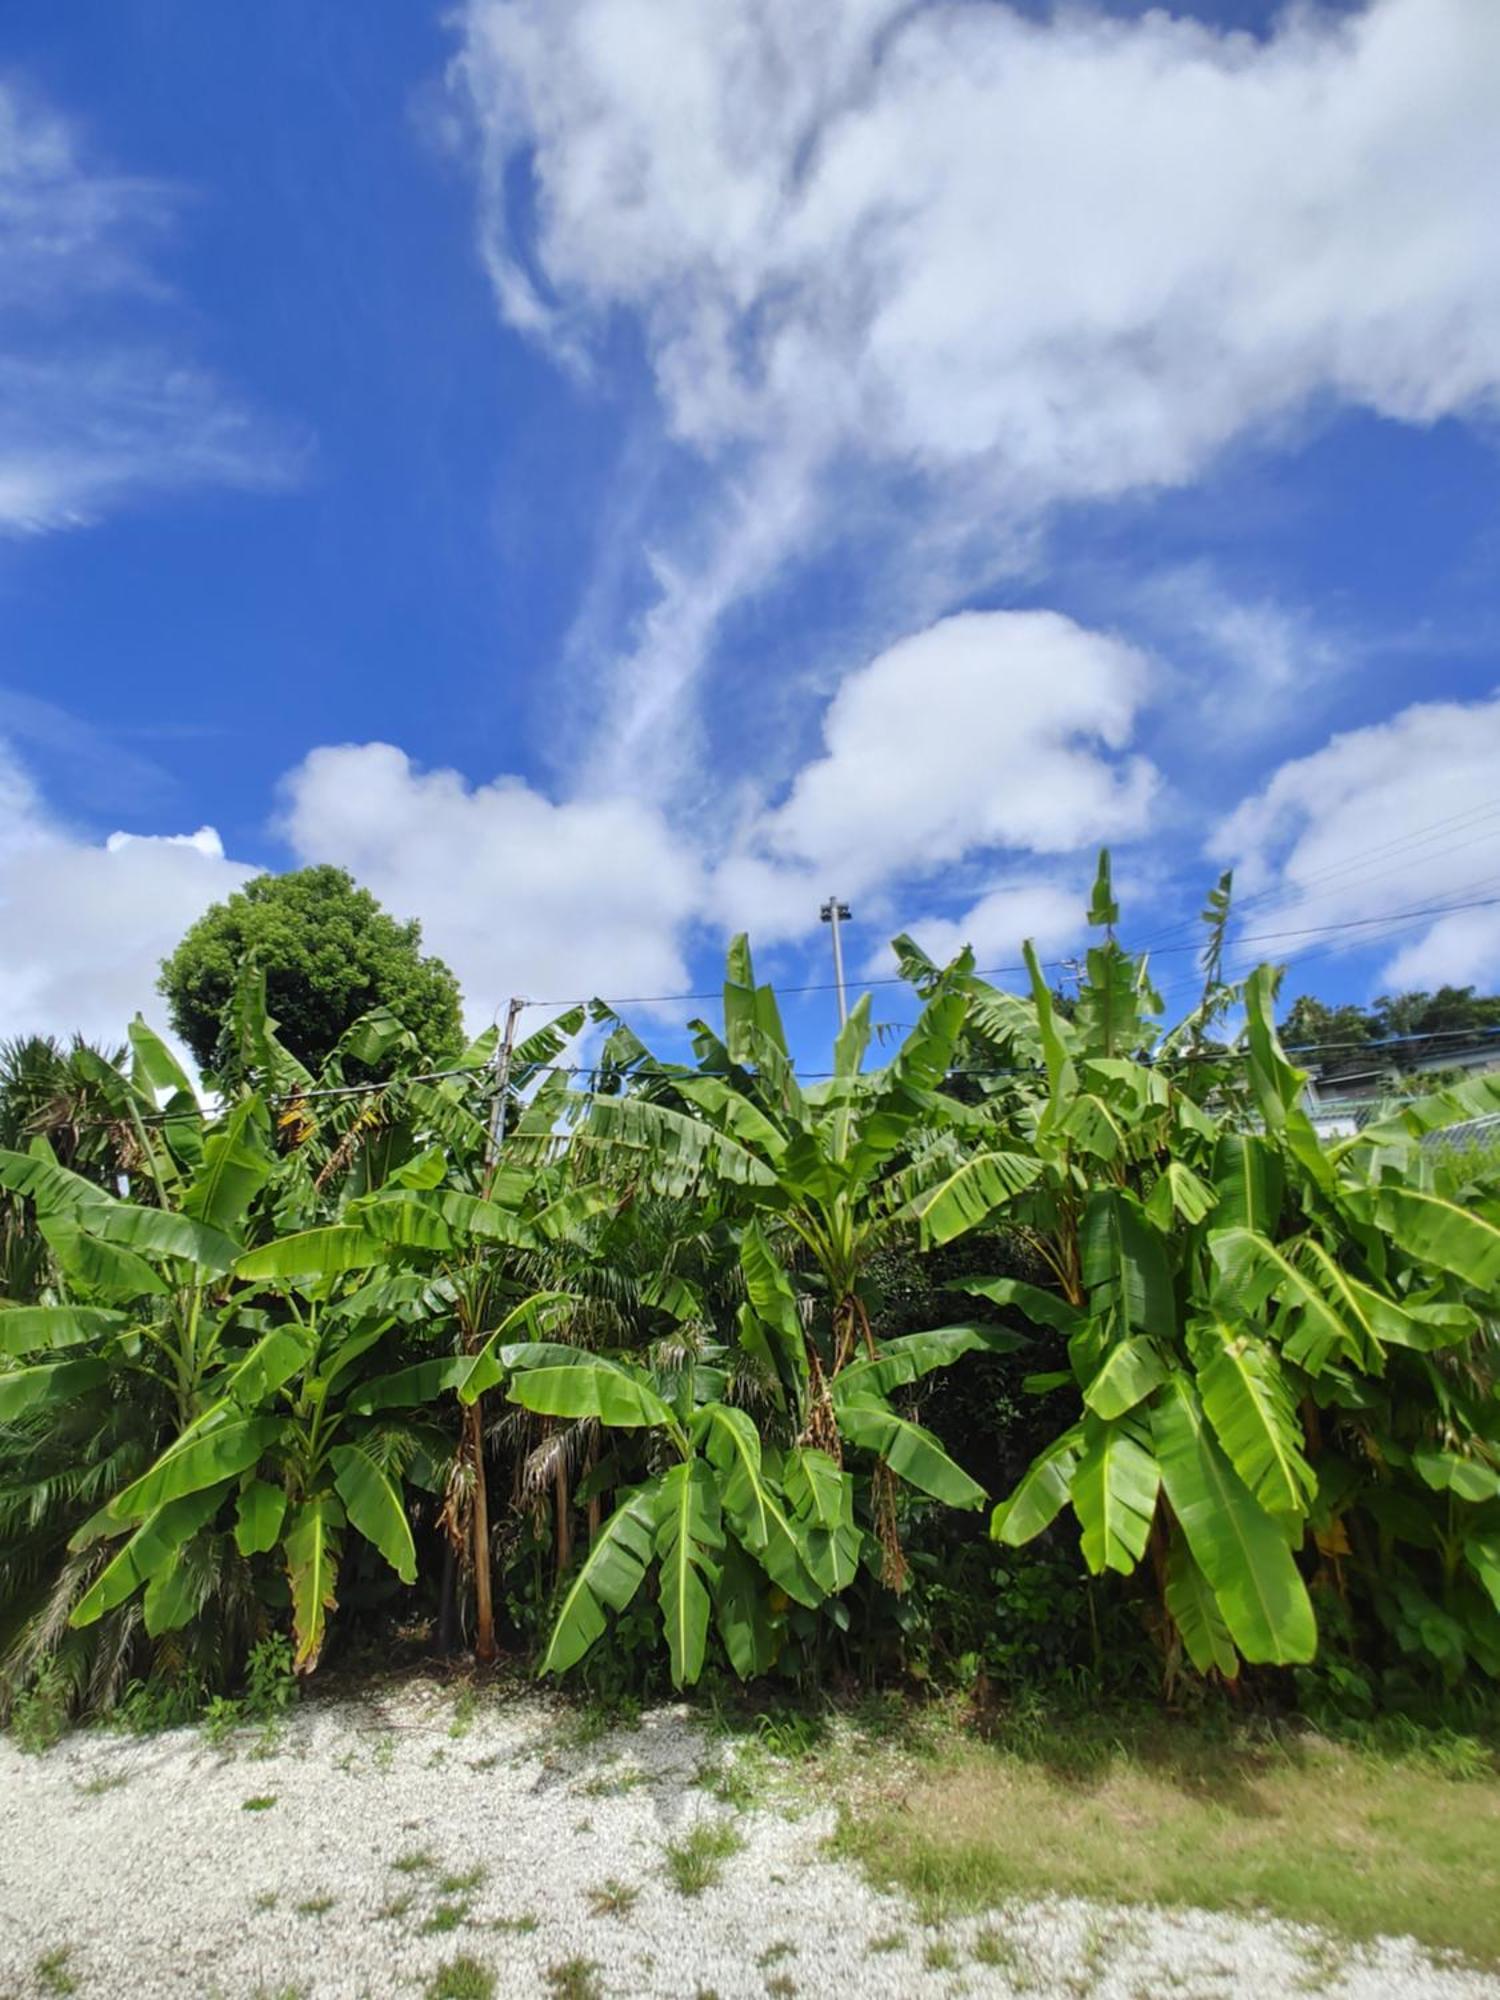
x,y
52,1973
596,1719
459,1885
464,1710
383,1756
732,1783
614,1898
103,1781
583,1826
781,1986
446,1917
39,1713
168,1702
791,1734
266,1900
262,1802
774,1953
398,1906
695,1862
1325,1959
416,1861
940,1956
270,1683
221,1718
315,1906
281,1993
612,1785
520,1926
574,1979
993,1947
886,1941
461,1978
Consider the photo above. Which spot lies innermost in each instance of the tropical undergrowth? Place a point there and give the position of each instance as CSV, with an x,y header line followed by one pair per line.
x,y
1056,1350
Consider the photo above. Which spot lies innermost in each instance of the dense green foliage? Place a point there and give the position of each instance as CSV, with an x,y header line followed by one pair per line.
x,y
1343,1037
719,1365
329,953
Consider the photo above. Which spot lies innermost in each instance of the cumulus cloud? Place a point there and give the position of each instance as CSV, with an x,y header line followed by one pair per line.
x,y
1049,913
518,894
89,417
1395,817
84,924
1005,262
1000,731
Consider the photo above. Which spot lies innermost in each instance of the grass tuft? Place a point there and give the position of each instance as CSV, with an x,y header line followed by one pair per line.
x,y
416,1861
462,1978
696,1862
614,1898
262,1802
574,1979
52,1974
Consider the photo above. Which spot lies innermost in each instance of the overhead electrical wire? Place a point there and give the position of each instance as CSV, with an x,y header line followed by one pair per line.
x,y
1052,964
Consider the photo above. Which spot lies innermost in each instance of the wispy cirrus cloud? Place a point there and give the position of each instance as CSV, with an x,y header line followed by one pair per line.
x,y
100,400
972,265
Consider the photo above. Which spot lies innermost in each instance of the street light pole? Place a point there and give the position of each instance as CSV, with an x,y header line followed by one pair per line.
x,y
835,913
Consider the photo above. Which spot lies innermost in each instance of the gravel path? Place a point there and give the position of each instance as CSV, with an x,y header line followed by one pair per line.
x,y
383,1839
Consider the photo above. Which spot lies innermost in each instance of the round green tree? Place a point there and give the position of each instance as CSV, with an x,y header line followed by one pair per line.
x,y
329,952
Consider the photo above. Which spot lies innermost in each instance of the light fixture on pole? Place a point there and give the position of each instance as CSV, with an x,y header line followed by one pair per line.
x,y
835,913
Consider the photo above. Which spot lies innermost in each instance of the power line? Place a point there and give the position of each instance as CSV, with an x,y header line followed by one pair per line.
x,y
659,1073
1418,837
1051,964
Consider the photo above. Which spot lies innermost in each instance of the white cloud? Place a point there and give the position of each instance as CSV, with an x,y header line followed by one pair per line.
x,y
1247,662
999,730
1399,816
1004,262
517,894
89,418
1049,913
84,924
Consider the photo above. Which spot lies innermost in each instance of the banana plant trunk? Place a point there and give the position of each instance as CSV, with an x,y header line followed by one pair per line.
x,y
563,1500
484,1603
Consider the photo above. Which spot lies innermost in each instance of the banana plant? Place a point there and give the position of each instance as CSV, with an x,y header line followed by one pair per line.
x,y
727,1520
824,1174
1221,1279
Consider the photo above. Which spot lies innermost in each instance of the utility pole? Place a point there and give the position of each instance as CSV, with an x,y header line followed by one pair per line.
x,y
484,1596
835,913
502,1089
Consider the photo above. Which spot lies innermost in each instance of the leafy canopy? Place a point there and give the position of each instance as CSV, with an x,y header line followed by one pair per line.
x,y
329,953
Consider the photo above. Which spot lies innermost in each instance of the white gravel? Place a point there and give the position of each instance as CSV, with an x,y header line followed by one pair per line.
x,y
134,1868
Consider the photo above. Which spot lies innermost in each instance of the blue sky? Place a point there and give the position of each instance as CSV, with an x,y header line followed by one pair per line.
x,y
611,473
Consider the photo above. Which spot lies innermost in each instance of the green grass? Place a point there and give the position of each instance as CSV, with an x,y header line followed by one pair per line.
x,y
101,1782
416,1861
459,1885
573,1979
1392,1834
446,1917
696,1862
262,1802
315,1906
886,1941
461,1978
614,1898
52,1974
